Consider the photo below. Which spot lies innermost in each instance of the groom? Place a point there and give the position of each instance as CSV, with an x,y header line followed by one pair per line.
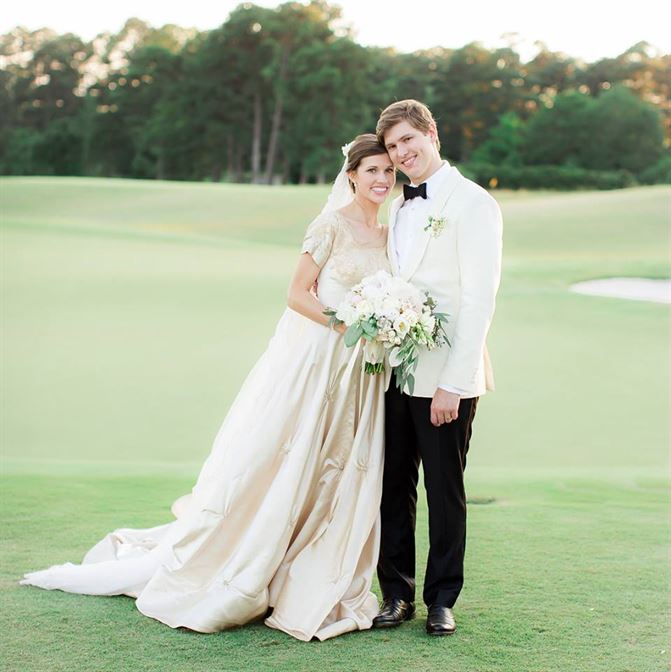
x,y
445,238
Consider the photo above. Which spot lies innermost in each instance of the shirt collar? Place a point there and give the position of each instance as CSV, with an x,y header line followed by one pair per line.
x,y
436,181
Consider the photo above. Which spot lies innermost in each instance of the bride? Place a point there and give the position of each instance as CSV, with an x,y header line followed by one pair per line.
x,y
284,513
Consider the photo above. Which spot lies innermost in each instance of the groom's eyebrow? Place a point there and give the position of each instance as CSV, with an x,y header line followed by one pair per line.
x,y
405,138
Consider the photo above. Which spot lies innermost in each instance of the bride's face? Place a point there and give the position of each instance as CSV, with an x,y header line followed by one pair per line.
x,y
374,178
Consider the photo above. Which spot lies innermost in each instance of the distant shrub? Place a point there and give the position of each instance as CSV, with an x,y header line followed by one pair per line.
x,y
614,131
546,177
17,157
57,150
658,173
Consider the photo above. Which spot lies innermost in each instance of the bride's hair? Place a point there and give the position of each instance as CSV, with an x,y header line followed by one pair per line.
x,y
361,147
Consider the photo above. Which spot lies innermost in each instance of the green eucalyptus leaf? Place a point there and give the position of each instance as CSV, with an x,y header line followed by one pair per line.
x,y
353,334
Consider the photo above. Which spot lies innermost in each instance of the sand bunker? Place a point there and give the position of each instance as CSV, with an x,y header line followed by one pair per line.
x,y
637,289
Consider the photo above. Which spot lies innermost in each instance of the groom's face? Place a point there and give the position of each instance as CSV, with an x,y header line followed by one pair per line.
x,y
411,150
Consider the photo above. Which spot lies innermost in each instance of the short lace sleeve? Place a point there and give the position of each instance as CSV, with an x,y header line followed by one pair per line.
x,y
319,238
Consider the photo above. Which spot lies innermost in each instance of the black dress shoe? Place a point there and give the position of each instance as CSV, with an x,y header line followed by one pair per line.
x,y
393,612
440,621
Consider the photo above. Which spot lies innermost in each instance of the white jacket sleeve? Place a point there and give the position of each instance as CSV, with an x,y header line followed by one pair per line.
x,y
479,247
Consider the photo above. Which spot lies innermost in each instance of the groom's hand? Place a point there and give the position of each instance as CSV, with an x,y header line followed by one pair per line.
x,y
444,407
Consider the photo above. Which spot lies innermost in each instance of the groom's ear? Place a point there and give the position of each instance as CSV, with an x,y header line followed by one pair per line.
x,y
433,131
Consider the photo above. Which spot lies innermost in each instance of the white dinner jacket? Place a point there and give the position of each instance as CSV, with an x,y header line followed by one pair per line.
x,y
461,269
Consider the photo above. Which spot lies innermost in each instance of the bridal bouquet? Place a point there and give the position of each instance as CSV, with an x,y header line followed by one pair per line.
x,y
391,316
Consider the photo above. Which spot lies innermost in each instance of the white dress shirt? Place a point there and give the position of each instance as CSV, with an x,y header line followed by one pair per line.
x,y
411,216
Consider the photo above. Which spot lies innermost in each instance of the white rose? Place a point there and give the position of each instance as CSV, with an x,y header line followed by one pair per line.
x,y
363,309
389,306
347,314
411,317
373,293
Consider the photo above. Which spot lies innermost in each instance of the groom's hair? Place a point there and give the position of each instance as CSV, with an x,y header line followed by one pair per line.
x,y
415,113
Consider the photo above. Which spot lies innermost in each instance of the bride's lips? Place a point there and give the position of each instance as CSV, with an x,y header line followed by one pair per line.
x,y
380,190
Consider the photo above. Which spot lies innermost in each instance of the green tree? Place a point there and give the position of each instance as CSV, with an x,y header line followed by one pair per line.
x,y
293,29
478,86
272,94
626,133
559,134
326,107
504,142
127,100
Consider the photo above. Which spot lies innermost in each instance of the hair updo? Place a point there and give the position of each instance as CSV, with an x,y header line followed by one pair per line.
x,y
363,146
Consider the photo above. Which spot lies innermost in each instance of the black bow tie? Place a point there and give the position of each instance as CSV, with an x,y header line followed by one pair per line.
x,y
410,192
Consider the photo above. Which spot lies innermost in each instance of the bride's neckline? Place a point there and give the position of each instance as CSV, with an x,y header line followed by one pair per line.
x,y
350,225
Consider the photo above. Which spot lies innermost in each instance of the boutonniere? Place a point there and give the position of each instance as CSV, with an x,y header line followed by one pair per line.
x,y
436,225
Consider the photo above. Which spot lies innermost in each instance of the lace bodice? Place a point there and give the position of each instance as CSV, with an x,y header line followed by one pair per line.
x,y
344,260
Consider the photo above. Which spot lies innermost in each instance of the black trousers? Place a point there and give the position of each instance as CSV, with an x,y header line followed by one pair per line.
x,y
410,437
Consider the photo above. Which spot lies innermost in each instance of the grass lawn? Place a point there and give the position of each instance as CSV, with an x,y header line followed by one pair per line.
x,y
132,312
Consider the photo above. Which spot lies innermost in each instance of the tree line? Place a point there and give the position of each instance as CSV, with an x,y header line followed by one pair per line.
x,y
272,94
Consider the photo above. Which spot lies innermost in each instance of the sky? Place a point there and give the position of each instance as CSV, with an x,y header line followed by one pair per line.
x,y
584,29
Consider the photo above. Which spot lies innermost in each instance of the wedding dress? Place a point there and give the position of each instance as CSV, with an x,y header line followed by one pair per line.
x,y
285,511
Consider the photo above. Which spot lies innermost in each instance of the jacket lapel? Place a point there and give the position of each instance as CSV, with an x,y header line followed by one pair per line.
x,y
391,243
423,236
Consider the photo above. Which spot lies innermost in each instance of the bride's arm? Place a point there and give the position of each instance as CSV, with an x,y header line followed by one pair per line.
x,y
300,297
